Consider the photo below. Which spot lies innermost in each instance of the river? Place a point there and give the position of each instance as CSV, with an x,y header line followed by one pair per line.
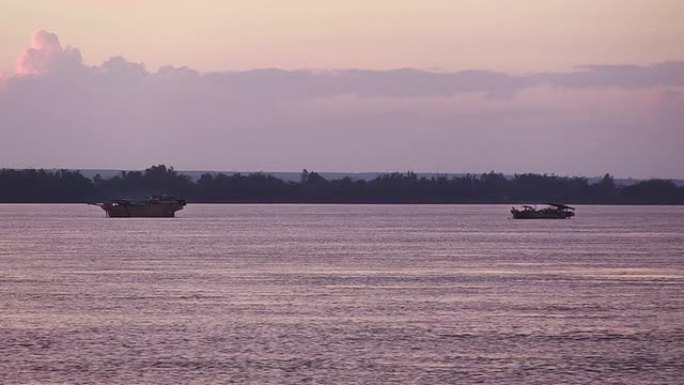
x,y
341,294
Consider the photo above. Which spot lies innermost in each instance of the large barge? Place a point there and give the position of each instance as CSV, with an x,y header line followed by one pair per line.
x,y
156,206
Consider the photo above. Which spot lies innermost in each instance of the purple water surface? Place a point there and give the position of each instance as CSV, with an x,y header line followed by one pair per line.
x,y
341,294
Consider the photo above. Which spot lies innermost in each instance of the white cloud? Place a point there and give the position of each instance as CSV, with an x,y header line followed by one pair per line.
x,y
45,54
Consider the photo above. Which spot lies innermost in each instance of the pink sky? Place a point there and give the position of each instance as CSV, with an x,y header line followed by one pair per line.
x,y
218,35
487,86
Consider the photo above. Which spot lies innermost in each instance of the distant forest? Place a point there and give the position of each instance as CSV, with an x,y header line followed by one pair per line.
x,y
32,185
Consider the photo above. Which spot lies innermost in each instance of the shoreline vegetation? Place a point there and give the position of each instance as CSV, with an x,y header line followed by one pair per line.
x,y
65,186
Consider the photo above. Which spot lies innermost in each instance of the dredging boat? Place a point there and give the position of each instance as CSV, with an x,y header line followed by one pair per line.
x,y
156,206
549,211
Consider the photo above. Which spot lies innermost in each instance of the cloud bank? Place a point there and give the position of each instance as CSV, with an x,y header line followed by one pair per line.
x,y
57,111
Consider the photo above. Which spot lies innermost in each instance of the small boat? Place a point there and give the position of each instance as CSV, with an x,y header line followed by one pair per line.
x,y
550,211
156,206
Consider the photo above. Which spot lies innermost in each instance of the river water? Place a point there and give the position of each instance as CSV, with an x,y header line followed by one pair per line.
x,y
341,294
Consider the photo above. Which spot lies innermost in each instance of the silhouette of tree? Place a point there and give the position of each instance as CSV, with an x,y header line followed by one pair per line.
x,y
653,191
71,186
43,186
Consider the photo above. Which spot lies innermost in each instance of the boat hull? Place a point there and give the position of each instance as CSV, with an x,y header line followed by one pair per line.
x,y
165,211
537,215
158,206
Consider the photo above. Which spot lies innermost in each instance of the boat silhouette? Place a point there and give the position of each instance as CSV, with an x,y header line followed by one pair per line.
x,y
549,211
156,206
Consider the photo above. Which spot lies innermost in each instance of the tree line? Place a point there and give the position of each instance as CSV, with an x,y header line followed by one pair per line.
x,y
32,185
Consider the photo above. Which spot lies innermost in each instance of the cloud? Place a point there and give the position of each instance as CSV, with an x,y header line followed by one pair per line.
x,y
45,55
619,76
57,111
413,82
119,67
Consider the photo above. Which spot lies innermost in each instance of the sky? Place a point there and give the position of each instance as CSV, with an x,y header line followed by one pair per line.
x,y
571,87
